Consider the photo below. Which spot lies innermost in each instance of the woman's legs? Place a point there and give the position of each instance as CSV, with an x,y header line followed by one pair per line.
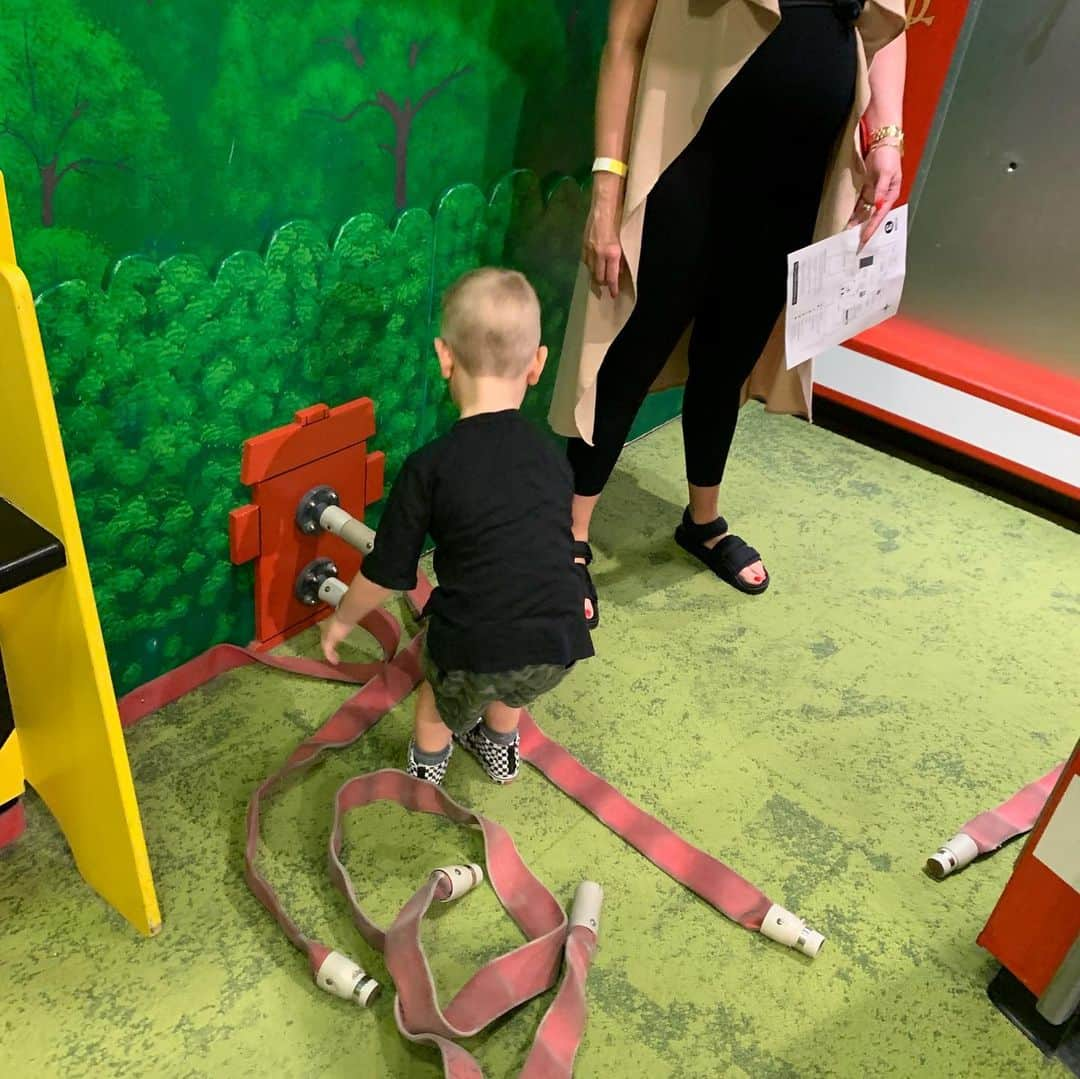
x,y
730,332
729,335
804,76
669,283
718,227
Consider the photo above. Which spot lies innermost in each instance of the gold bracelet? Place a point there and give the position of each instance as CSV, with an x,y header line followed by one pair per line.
x,y
889,131
882,143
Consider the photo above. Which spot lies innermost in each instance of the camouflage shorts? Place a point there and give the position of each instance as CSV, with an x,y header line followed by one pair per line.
x,y
462,696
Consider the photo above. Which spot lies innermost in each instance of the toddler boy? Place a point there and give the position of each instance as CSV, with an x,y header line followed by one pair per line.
x,y
505,624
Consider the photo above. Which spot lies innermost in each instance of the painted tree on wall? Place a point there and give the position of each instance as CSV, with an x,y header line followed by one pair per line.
x,y
341,103
202,129
78,122
405,60
333,103
401,110
176,44
556,131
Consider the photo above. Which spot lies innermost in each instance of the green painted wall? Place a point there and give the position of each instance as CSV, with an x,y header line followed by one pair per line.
x,y
299,180
163,126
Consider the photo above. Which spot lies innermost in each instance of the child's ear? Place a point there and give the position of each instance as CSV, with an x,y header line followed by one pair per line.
x,y
536,368
446,357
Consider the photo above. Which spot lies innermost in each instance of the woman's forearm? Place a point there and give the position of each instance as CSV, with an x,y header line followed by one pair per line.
x,y
620,66
887,74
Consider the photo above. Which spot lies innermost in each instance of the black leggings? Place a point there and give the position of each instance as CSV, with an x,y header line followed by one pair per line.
x,y
719,225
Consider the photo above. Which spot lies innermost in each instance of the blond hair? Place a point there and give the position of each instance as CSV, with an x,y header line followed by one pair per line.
x,y
491,321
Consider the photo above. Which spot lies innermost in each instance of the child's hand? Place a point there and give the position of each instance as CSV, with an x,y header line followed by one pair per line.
x,y
333,632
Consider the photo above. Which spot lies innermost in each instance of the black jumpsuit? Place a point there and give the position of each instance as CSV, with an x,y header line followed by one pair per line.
x,y
719,225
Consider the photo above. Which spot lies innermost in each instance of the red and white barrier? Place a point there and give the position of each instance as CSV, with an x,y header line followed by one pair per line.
x,y
1036,922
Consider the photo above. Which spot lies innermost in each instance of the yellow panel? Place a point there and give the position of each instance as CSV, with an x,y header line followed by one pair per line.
x,y
7,244
62,696
11,770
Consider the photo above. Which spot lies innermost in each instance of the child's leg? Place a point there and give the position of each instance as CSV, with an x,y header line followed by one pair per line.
x,y
494,741
429,750
429,732
501,718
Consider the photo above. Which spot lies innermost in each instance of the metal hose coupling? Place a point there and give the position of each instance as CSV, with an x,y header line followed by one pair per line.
x,y
588,900
789,929
459,880
344,977
960,851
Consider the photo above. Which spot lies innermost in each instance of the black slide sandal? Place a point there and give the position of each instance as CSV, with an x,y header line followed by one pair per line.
x,y
582,550
727,559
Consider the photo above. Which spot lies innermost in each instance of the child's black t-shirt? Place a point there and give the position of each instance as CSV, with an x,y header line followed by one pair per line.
x,y
494,495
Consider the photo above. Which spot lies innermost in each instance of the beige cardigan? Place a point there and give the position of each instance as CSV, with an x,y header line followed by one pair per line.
x,y
695,48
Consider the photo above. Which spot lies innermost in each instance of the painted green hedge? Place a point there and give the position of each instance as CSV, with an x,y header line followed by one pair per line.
x,y
160,376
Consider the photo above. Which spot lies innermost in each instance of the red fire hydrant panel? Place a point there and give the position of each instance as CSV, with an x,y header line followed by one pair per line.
x,y
322,447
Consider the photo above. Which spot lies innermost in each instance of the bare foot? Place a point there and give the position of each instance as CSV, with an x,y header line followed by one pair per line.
x,y
752,574
588,602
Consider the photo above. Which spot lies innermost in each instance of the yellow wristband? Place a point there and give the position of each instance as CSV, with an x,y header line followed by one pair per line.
x,y
610,164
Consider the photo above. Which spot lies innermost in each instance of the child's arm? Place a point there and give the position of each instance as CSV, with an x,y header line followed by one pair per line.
x,y
361,599
391,567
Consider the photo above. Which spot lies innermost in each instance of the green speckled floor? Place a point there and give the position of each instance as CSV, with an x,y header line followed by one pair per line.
x,y
914,662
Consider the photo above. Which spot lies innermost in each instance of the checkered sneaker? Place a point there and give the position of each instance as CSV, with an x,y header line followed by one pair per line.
x,y
501,762
430,773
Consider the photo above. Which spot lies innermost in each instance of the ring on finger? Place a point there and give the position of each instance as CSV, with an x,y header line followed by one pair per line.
x,y
866,207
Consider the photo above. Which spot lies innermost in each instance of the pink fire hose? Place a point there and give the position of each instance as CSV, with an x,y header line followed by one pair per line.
x,y
994,828
551,939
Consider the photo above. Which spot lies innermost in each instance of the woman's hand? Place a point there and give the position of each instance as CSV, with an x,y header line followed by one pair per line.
x,y
884,173
602,250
